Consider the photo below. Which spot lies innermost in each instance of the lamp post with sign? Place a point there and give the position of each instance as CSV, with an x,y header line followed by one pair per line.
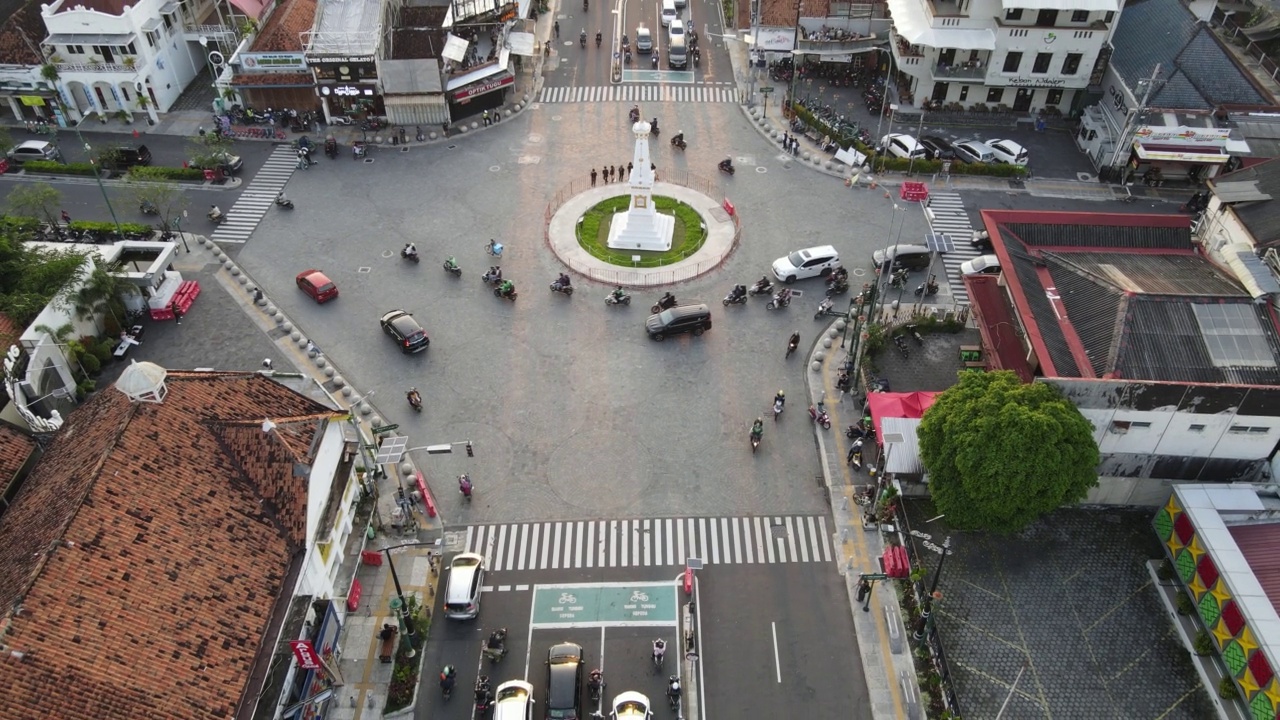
x,y
1119,157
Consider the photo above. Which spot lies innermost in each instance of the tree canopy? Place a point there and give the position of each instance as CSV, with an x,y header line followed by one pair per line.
x,y
1000,453
31,276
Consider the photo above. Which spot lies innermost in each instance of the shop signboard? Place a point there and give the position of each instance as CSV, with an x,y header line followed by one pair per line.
x,y
289,62
1182,135
777,39
465,94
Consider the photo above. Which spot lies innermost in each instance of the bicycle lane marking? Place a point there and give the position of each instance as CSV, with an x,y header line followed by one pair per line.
x,y
604,605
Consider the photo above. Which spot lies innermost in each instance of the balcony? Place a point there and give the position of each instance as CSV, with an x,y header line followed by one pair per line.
x,y
844,46
960,71
947,8
904,49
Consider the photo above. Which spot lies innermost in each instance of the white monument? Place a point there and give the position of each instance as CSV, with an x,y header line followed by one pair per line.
x,y
641,226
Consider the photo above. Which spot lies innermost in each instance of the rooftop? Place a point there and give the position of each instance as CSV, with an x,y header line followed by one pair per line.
x,y
21,33
283,31
1198,73
1128,296
16,448
153,549
346,28
1260,217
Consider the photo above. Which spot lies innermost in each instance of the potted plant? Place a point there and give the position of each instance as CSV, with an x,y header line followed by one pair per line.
x,y
124,116
130,61
95,61
49,71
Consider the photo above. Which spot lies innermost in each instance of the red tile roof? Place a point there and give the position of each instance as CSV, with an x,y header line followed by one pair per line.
x,y
20,35
15,449
1260,547
997,325
283,31
149,548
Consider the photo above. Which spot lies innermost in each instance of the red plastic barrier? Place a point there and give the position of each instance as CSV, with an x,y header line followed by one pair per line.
x,y
896,563
914,191
426,494
688,581
353,596
728,206
371,557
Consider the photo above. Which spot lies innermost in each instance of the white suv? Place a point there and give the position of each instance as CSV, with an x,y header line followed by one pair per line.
x,y
807,263
902,146
513,700
1008,151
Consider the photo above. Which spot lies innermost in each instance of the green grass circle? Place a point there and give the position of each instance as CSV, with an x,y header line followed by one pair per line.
x,y
687,238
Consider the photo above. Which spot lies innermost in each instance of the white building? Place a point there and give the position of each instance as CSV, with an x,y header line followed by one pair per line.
x,y
1026,55
115,57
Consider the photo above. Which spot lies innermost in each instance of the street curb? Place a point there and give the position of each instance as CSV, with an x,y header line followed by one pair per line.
x,y
22,176
880,679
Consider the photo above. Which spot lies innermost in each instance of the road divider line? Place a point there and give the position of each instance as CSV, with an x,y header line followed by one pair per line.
x,y
777,664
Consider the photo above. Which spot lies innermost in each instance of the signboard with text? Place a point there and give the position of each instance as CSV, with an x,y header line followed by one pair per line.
x,y
1183,135
476,89
305,653
605,604
290,62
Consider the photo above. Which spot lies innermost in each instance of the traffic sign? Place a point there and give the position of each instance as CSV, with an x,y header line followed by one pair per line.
x,y
384,428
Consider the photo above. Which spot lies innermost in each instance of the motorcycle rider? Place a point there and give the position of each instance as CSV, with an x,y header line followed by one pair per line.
x,y
506,288
618,294
563,281
599,38
784,296
763,283
793,343
582,37
410,251
781,397
667,300
595,683
450,263
757,429
673,689
726,164
415,398
496,645
678,139
494,274
659,650
447,676
635,113
653,125
739,291
282,200
482,691
215,213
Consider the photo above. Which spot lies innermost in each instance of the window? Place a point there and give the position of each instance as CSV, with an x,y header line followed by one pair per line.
x,y
1041,65
995,95
1012,61
1080,16
1196,428
1121,427
1071,65
75,49
1110,16
964,93
168,21
153,39
1249,429
1054,97
1014,14
129,49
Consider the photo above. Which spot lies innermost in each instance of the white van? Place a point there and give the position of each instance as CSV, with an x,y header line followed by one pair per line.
x,y
669,12
902,146
677,51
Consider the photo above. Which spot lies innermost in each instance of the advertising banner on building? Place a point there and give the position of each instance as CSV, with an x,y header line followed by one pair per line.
x,y
262,62
305,653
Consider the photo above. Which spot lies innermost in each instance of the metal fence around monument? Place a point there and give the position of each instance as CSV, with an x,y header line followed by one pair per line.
x,y
646,276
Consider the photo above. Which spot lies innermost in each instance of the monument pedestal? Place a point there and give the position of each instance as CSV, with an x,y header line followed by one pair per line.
x,y
639,230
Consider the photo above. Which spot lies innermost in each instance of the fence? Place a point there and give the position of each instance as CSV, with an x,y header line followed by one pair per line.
x,y
645,275
1232,31
933,640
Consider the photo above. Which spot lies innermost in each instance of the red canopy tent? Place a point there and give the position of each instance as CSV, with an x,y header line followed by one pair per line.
x,y
898,405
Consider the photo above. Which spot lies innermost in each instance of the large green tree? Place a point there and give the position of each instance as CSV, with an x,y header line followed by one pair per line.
x,y
35,200
1001,453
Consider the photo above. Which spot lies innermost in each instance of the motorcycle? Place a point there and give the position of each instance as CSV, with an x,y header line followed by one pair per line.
x,y
737,297
838,287
655,61
415,399
217,216
755,440
634,114
582,39
926,289
855,454
494,248
823,307
495,654
820,416
653,127
563,289
447,676
510,294
407,255
673,692
464,486
779,300
899,279
492,276
915,334
612,299
599,39
331,147
340,120
762,287
484,696
901,343
778,405
678,141
664,302
697,57
595,685
148,208
792,344
451,265
284,202
726,167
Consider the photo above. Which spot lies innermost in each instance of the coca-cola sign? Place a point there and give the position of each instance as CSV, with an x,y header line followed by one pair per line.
x,y
481,88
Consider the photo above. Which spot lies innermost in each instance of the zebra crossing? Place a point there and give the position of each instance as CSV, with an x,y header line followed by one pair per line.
x,y
658,542
946,216
725,93
258,197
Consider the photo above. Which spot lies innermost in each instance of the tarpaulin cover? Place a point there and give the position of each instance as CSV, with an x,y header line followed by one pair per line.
x,y
899,405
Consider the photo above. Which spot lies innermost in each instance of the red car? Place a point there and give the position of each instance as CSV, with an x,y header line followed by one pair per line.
x,y
317,285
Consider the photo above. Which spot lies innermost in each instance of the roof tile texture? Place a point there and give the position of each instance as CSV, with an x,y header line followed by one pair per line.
x,y
148,547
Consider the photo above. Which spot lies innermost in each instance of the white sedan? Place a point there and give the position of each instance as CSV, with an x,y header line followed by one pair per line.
x,y
513,701
981,265
631,705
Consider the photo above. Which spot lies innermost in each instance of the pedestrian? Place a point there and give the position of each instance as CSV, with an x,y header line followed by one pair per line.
x,y
786,138
629,169
266,363
556,28
444,128
66,217
201,131
311,348
604,173
593,177
177,312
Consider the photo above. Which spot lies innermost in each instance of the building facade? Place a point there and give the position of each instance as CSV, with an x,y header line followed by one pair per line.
x,y
1018,55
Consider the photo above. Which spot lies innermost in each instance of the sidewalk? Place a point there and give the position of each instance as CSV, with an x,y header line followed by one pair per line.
x,y
881,633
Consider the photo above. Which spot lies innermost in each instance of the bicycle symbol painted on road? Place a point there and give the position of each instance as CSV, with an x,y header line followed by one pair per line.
x,y
568,599
639,597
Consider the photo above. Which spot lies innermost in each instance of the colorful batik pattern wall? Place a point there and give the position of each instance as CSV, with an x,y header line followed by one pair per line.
x,y
1221,614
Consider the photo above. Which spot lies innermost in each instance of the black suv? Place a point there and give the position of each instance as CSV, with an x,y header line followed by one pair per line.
x,y
564,682
406,331
125,157
694,319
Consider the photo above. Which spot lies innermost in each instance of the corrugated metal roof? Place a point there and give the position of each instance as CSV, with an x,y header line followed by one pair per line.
x,y
1261,218
1242,191
1260,546
903,457
1095,236
1162,341
1094,310
1151,274
1055,341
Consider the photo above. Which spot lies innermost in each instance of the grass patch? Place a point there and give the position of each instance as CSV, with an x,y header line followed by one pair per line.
x,y
686,239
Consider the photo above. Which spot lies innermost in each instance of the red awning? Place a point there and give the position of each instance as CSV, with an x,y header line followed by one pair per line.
x,y
898,405
252,8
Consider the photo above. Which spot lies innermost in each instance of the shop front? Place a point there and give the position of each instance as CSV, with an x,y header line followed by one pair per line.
x,y
473,96
1178,155
347,85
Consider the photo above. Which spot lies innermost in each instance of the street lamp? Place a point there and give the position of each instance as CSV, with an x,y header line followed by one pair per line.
x,y
927,606
97,175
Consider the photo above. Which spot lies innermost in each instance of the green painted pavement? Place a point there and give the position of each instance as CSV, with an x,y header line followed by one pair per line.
x,y
585,605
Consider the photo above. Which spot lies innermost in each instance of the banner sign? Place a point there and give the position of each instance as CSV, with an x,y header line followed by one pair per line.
x,y
305,653
291,62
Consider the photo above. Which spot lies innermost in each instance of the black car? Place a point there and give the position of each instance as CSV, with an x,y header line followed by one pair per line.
x,y
123,157
694,319
981,241
564,682
936,148
406,331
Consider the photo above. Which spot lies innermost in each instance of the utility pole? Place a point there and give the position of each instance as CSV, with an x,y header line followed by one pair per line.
x,y
1130,122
